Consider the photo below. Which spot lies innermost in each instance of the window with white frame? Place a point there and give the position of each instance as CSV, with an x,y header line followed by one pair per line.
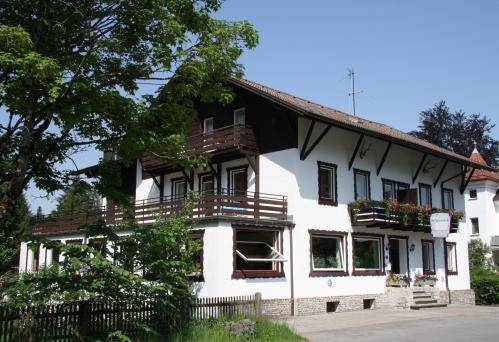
x,y
362,185
451,258
257,252
367,254
240,117
208,125
428,257
179,188
327,252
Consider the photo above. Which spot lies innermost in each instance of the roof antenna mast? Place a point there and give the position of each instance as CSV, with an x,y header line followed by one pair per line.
x,y
351,74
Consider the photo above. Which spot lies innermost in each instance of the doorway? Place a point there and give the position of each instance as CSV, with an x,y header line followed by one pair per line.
x,y
398,255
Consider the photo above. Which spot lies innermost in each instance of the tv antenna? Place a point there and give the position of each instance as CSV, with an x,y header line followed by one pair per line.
x,y
351,75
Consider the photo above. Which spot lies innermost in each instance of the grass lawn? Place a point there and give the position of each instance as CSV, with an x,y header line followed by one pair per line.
x,y
214,330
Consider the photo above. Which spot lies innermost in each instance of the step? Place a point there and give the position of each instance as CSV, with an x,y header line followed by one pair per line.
x,y
427,306
425,301
425,296
418,291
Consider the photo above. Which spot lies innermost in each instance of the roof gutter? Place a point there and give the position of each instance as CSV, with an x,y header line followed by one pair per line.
x,y
400,142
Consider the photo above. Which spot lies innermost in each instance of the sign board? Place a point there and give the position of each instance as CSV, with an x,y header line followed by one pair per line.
x,y
440,225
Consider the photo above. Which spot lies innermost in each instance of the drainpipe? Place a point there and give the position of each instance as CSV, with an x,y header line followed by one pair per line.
x,y
291,273
446,271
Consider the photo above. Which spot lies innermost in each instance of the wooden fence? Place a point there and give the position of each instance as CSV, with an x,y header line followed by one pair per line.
x,y
95,320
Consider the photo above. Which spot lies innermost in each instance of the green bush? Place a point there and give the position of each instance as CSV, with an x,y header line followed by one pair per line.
x,y
486,286
214,330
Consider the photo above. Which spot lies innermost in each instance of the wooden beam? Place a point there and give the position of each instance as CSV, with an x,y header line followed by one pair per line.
x,y
355,151
316,142
419,168
388,147
156,181
440,173
251,161
307,138
467,181
464,168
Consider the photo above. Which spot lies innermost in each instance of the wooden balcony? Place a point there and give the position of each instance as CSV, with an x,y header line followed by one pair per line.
x,y
376,215
228,141
248,207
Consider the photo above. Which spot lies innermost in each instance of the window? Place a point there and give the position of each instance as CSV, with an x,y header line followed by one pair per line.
x,y
179,188
240,117
208,125
327,253
447,199
238,180
257,253
473,194
475,228
425,195
327,184
394,190
428,257
361,185
367,254
35,262
98,245
206,184
451,258
198,259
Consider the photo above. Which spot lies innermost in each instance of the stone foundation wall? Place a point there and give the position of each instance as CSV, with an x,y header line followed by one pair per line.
x,y
276,307
463,297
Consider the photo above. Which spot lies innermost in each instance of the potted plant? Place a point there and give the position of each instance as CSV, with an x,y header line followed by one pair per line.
x,y
425,280
398,280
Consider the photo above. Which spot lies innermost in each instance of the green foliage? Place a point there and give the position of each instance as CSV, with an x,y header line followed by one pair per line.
x,y
486,286
77,197
163,252
479,255
458,131
214,330
69,74
18,224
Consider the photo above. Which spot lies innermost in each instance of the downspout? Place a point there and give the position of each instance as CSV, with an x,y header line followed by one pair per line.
x,y
291,273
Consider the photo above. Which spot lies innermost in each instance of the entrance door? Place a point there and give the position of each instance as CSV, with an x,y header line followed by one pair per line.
x,y
395,255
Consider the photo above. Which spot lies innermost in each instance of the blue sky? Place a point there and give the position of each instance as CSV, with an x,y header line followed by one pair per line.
x,y
406,55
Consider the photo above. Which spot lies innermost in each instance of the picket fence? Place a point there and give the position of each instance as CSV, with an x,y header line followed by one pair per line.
x,y
95,320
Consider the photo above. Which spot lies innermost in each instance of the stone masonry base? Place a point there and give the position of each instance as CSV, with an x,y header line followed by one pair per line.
x,y
392,298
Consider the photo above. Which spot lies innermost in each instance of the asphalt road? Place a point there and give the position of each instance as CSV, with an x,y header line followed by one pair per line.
x,y
454,323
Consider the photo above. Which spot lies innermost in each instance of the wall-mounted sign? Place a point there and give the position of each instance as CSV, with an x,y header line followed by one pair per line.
x,y
440,225
330,282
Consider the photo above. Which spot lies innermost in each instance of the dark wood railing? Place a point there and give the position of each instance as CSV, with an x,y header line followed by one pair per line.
x,y
225,140
225,204
377,215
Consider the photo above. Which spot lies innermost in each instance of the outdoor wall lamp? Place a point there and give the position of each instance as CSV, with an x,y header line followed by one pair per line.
x,y
412,247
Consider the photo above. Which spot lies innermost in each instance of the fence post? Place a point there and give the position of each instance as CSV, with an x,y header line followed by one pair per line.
x,y
258,304
84,319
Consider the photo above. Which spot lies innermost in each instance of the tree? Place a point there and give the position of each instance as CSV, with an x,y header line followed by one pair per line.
x,y
69,72
479,255
458,132
77,197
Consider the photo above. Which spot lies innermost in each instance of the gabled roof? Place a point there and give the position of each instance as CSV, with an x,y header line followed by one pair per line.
x,y
479,175
353,123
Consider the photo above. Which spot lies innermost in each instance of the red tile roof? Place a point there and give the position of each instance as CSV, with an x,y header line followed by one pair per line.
x,y
479,175
355,123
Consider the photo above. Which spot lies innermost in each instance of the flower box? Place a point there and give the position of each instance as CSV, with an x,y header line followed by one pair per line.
x,y
425,280
397,280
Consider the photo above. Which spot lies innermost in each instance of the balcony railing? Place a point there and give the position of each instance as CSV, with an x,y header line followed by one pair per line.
x,y
226,140
375,214
226,204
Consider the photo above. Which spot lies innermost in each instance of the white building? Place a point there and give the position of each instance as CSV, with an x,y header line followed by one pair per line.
x,y
482,206
275,215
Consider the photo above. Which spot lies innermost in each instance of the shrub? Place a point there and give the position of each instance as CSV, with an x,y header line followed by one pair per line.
x,y
479,255
486,286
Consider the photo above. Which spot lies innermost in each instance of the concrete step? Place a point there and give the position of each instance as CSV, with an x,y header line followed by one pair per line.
x,y
427,306
423,296
419,291
425,301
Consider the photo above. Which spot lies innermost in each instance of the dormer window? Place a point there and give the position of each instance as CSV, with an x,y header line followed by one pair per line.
x,y
240,117
208,125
